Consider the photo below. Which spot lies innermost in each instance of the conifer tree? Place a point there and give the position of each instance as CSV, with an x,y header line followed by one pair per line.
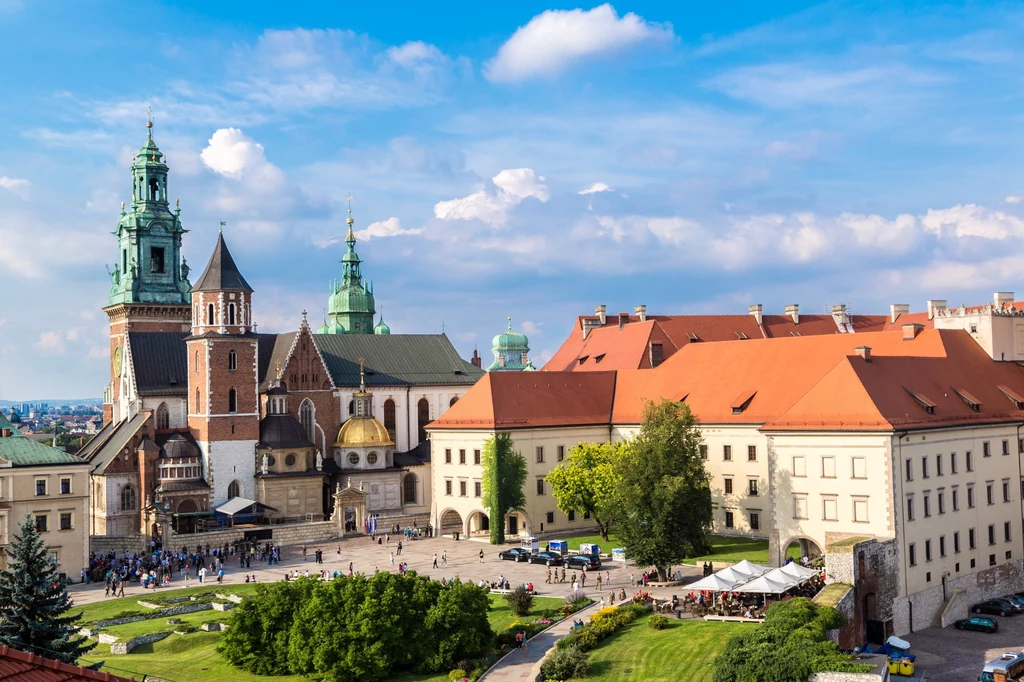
x,y
34,602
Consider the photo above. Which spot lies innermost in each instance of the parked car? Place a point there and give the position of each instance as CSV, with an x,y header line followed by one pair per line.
x,y
1013,598
514,554
992,606
979,623
548,558
1015,608
580,560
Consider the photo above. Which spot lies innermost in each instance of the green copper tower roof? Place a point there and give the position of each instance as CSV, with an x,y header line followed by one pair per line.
x,y
350,304
149,267
511,351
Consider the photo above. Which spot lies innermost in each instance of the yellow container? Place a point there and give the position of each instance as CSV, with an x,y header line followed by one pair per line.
x,y
894,666
906,667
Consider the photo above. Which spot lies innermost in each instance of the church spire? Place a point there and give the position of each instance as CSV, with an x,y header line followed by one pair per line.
x,y
351,302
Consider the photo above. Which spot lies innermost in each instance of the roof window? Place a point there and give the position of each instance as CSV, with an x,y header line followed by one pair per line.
x,y
1014,397
971,401
742,401
692,337
599,358
923,401
583,359
742,336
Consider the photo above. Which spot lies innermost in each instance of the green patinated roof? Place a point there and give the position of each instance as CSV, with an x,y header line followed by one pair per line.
x,y
395,360
510,340
382,327
25,452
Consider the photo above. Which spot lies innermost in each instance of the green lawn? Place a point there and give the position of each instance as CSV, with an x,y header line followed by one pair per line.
x,y
723,548
194,656
685,650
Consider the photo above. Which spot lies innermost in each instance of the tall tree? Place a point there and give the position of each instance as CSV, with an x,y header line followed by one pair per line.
x,y
585,482
664,496
504,475
34,602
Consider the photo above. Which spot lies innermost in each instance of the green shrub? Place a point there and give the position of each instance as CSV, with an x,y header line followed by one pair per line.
x,y
572,639
564,664
520,600
587,639
456,675
657,622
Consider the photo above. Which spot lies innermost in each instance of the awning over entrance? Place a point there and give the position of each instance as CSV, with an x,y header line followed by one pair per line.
x,y
241,505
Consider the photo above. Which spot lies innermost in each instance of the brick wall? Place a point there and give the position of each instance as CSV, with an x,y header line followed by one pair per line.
x,y
102,544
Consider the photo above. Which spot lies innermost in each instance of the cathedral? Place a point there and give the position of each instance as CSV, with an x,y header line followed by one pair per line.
x,y
202,410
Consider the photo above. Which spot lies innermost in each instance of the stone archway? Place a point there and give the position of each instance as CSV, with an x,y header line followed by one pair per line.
x,y
349,511
451,522
517,524
477,525
808,548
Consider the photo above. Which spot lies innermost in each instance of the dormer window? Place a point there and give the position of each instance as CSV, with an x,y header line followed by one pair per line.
x,y
1014,397
583,359
971,401
922,400
692,337
742,401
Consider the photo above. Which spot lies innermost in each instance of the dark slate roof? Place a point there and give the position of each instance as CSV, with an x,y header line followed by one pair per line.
x,y
221,273
114,442
272,348
160,362
283,431
395,360
415,457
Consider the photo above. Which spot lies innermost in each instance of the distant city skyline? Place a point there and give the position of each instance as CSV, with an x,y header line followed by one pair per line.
x,y
529,161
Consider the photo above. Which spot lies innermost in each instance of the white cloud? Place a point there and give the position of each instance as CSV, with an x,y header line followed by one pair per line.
x,y
50,343
414,52
596,188
232,152
531,327
392,227
800,148
511,186
971,220
1012,199
15,186
555,39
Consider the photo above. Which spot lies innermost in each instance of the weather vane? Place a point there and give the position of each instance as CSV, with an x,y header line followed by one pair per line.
x,y
222,224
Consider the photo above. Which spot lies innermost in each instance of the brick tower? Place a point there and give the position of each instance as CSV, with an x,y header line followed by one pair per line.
x,y
223,410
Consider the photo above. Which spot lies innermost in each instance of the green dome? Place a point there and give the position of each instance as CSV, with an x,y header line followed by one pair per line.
x,y
510,340
382,327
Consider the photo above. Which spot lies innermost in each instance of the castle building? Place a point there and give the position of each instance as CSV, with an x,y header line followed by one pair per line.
x,y
351,306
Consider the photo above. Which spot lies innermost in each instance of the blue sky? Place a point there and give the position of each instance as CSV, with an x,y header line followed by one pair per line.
x,y
525,159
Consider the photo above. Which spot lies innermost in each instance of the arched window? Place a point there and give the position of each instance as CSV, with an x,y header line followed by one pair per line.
x,y
423,417
209,314
389,417
351,407
127,498
197,401
232,361
451,403
197,362
232,400
231,313
234,490
307,416
409,489
163,417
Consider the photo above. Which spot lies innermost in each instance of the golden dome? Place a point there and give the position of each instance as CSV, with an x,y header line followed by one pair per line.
x,y
363,431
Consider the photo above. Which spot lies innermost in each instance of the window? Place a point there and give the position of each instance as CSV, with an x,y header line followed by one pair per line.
x,y
828,467
307,417
561,453
729,520
409,489
197,399
956,500
910,509
478,489
860,467
231,313
163,417
232,361
912,554
65,486
991,559
389,417
727,453
462,456
970,497
156,259
451,403
970,460
928,550
476,457
991,533
41,523
860,510
65,520
986,450
289,461
910,469
540,454
571,516
447,455
463,487
1006,491
540,486
972,563
1008,554
196,365
232,400
956,542
1006,447
942,545
829,509
751,453
938,465
40,487
728,486
235,490
752,487
755,521
1006,531
448,488
924,467
209,314
971,541
927,505
952,462
423,418
988,494
800,506
799,466
353,458
551,517
704,451
127,498
942,502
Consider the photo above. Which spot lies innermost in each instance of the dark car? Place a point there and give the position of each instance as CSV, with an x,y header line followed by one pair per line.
x,y
549,558
580,560
515,554
978,623
993,606
1014,599
1014,606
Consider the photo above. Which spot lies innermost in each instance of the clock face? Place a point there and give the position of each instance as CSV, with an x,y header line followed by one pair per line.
x,y
117,361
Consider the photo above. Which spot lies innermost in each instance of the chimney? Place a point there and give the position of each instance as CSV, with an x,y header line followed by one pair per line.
x,y
641,312
623,320
589,325
794,312
601,312
897,309
934,306
910,331
839,312
755,310
476,360
864,352
1001,298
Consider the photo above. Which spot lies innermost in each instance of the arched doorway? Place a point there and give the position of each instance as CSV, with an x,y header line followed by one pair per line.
x,y
234,490
517,523
873,626
351,525
798,548
478,524
184,517
451,522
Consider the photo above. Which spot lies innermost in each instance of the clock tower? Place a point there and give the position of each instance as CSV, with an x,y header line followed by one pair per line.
x,y
149,286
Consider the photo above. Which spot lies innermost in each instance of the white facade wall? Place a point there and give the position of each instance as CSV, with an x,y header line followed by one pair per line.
x,y
227,461
406,407
1001,335
177,409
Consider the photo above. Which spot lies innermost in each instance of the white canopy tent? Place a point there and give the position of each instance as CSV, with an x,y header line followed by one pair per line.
x,y
715,583
751,568
798,571
766,585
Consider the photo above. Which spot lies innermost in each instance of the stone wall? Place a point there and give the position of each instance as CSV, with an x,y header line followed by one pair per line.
x,y
103,544
850,677
872,567
126,647
284,534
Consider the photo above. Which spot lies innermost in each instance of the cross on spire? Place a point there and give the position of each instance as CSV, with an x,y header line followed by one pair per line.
x,y
362,375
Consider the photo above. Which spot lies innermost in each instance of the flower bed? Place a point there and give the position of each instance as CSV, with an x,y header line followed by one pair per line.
x,y
602,624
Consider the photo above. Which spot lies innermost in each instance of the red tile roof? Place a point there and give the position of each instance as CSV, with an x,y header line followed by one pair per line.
x,y
19,666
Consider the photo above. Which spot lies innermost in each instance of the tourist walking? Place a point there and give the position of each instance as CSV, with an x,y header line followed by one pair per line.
x,y
435,560
481,556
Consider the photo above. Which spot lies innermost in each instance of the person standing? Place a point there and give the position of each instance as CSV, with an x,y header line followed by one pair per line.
x,y
444,558
481,556
202,574
391,556
548,579
598,582
399,548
